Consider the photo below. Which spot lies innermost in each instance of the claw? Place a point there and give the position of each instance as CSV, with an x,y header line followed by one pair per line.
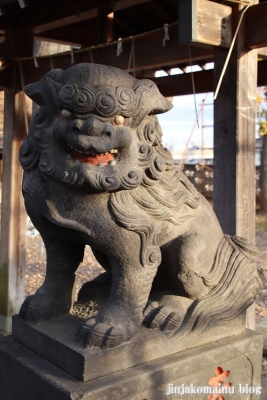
x,y
102,334
172,321
159,317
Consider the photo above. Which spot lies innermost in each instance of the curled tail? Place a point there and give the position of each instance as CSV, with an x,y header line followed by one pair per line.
x,y
234,280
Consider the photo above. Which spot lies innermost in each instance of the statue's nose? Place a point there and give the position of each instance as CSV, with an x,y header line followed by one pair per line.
x,y
92,127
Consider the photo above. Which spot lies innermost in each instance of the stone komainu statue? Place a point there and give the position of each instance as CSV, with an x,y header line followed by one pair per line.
x,y
96,173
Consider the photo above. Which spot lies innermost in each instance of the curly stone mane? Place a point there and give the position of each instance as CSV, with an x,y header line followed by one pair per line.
x,y
163,190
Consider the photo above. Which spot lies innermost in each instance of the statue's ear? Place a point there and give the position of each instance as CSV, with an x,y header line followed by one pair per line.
x,y
35,93
149,100
45,92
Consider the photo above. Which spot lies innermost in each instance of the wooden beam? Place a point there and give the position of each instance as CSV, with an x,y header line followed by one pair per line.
x,y
256,26
180,85
122,25
88,14
53,37
207,22
147,23
262,53
71,19
162,9
203,21
104,24
174,85
18,43
76,35
149,53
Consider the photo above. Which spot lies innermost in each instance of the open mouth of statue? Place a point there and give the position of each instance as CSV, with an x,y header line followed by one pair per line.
x,y
94,158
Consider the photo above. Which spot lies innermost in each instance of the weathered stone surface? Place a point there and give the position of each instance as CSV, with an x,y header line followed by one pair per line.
x,y
57,341
97,173
26,375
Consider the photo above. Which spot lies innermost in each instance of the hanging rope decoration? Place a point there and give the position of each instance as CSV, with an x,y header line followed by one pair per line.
x,y
193,85
132,59
192,131
230,52
91,56
72,61
91,48
166,31
35,62
119,47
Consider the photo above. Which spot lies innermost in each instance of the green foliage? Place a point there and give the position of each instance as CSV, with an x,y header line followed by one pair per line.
x,y
263,128
261,222
261,101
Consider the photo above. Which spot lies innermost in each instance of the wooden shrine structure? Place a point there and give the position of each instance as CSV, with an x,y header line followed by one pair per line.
x,y
198,32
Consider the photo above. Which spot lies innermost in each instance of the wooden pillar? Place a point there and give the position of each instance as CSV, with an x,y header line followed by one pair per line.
x,y
234,141
13,214
105,17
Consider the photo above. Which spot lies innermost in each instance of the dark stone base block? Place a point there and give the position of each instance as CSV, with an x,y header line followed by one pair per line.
x,y
26,375
56,341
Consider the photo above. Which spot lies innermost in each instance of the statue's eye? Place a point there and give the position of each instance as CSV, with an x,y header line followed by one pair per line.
x,y
66,114
119,120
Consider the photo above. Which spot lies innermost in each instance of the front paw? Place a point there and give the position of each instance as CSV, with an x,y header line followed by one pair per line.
x,y
41,307
167,313
161,317
107,329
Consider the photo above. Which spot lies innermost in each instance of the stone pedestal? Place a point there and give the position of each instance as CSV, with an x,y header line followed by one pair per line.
x,y
51,364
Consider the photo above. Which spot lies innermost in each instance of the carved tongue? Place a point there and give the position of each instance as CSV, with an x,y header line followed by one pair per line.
x,y
94,160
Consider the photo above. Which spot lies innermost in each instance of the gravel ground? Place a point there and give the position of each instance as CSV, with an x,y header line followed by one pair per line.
x,y
36,262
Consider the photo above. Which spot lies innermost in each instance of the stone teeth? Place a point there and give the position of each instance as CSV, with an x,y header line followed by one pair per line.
x,y
77,161
113,162
114,151
100,165
69,156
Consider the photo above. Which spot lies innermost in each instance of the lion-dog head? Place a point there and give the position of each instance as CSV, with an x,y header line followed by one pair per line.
x,y
95,128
